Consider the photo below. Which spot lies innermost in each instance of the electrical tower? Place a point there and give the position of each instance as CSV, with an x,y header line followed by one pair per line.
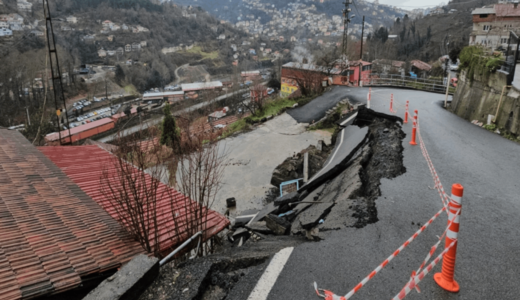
x,y
346,21
57,84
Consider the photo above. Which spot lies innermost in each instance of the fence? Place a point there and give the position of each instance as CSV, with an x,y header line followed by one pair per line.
x,y
289,186
431,85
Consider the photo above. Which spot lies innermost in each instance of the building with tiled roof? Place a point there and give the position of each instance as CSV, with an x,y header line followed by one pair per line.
x,y
85,166
53,235
493,23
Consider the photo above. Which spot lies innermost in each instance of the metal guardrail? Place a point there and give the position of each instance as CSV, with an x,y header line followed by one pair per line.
x,y
432,85
167,258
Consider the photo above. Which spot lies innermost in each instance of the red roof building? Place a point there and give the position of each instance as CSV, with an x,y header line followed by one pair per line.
x,y
80,133
53,236
85,166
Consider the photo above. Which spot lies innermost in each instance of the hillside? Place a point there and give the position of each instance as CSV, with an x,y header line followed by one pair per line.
x,y
426,38
236,10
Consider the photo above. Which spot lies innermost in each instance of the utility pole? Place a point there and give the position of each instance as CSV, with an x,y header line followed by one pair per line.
x,y
57,83
361,52
346,21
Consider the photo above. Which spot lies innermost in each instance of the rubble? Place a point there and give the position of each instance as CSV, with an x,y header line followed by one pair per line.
x,y
259,227
278,225
292,167
286,199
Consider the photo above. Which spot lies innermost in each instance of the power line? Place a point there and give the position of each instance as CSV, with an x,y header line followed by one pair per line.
x,y
355,6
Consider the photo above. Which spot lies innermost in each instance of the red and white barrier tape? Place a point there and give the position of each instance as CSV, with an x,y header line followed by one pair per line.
x,y
382,265
328,295
438,185
432,250
418,278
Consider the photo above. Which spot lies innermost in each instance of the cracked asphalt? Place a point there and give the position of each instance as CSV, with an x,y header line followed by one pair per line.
x,y
486,164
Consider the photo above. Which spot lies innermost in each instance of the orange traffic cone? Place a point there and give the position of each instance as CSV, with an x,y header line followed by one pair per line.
x,y
414,130
445,278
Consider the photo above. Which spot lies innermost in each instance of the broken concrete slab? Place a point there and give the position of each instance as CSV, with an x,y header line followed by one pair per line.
x,y
311,216
286,199
340,216
278,225
260,227
129,282
269,208
349,141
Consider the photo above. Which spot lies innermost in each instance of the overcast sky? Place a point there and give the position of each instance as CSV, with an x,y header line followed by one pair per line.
x,y
411,4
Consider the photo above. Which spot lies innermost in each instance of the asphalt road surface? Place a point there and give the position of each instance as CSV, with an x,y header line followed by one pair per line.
x,y
486,164
316,109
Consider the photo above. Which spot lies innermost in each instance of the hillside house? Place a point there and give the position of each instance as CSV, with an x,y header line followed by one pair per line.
x,y
420,68
4,24
308,75
128,48
72,20
107,24
221,37
360,72
24,6
102,53
110,38
492,24
136,46
144,43
6,32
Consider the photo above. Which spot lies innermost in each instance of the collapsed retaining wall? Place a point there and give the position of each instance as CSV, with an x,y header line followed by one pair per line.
x,y
477,100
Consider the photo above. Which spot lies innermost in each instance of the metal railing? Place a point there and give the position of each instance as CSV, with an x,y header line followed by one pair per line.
x,y
167,258
432,85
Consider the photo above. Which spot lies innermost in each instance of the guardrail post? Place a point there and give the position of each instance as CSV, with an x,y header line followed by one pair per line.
x,y
445,279
406,112
391,102
369,96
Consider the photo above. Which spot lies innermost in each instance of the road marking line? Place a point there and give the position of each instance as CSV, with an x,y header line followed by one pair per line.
x,y
348,120
268,279
331,158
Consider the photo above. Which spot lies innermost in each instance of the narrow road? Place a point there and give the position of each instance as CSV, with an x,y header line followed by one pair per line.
x,y
487,261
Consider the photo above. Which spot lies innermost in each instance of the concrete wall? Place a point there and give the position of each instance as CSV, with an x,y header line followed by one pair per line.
x,y
478,100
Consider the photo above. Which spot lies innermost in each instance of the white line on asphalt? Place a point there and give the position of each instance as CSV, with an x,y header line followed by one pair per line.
x,y
332,157
348,120
268,279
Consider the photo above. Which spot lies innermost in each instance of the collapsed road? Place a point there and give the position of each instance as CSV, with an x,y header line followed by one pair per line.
x,y
342,194
460,151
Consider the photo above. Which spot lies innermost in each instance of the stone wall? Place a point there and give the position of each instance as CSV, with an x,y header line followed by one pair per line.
x,y
481,98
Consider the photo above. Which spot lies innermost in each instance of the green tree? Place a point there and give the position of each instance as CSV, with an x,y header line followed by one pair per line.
x,y
120,75
170,132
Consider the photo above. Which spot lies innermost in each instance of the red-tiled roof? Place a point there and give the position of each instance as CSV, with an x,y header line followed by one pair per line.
x,y
65,133
507,10
85,165
421,65
52,234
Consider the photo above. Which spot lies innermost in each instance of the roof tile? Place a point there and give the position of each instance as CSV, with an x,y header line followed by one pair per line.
x,y
49,226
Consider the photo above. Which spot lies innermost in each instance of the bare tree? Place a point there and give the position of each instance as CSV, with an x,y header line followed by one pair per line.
x,y
131,181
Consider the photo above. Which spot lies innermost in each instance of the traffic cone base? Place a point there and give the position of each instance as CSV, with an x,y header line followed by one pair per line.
x,y
452,286
413,143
